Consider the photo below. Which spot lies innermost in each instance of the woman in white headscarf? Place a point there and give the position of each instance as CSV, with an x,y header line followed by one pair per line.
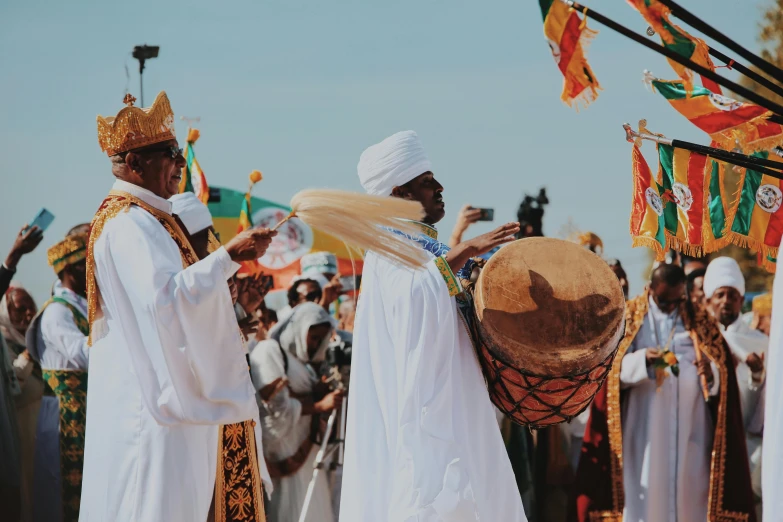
x,y
290,397
17,310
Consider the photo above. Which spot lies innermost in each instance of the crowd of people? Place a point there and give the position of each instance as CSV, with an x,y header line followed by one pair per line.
x,y
206,404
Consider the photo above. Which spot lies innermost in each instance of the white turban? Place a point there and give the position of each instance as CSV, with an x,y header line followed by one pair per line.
x,y
318,263
721,272
193,213
392,163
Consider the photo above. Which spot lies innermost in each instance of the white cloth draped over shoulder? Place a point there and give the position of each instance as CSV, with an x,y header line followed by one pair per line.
x,y
285,428
772,457
167,369
422,441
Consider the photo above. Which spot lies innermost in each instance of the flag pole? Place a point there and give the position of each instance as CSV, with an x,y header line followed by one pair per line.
x,y
753,75
700,25
703,71
764,166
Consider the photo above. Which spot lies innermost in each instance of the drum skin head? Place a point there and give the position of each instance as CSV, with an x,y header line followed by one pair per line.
x,y
549,307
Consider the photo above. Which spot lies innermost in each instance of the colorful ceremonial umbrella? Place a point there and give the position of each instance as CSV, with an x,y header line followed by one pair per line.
x,y
294,238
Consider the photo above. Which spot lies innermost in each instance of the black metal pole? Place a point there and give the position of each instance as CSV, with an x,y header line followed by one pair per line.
x,y
753,75
141,81
764,166
732,86
699,24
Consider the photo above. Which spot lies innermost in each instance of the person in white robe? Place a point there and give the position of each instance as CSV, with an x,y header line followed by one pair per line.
x,y
667,432
677,456
167,362
289,358
57,340
772,453
422,439
724,291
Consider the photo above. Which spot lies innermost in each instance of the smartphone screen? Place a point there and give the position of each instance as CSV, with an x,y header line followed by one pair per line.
x,y
42,220
487,214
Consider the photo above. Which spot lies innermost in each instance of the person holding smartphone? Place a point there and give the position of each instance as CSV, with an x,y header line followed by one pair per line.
x,y
422,440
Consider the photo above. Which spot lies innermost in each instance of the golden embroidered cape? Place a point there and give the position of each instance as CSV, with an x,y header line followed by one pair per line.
x,y
598,491
238,486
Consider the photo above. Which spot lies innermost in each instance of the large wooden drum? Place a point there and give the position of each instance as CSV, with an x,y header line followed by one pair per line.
x,y
549,316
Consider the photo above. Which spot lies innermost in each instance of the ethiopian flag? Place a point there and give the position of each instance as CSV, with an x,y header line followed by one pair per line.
x,y
647,208
193,179
676,39
245,215
567,36
758,218
294,240
727,121
717,210
683,174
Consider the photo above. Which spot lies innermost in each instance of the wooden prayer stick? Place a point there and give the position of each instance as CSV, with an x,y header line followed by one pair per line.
x,y
699,24
712,75
753,75
764,166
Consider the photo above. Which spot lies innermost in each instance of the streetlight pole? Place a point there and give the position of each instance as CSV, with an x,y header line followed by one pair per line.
x,y
143,53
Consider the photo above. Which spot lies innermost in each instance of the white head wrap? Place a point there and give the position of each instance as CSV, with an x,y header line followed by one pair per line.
x,y
392,163
291,333
318,263
723,271
193,213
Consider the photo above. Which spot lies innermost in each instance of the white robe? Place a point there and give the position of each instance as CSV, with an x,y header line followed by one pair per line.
x,y
667,432
59,345
772,457
422,440
744,340
285,429
169,368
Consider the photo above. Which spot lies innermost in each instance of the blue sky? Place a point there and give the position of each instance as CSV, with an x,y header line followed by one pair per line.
x,y
299,88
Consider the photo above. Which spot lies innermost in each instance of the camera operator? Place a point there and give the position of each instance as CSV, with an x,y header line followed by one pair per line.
x,y
291,396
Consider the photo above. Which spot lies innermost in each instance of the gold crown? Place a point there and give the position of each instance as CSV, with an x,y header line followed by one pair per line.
x,y
762,304
70,250
134,127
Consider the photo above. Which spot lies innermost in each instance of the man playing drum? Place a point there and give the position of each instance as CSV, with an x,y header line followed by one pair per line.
x,y
422,439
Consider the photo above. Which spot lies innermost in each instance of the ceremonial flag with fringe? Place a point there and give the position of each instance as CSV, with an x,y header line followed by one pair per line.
x,y
683,174
757,221
647,208
568,36
193,179
717,211
676,39
729,123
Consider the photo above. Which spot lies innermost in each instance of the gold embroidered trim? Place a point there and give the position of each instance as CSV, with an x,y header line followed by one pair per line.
x,y
115,202
707,338
424,228
238,487
451,281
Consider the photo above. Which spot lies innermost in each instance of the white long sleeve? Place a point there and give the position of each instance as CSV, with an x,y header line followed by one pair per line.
x,y
184,341
66,345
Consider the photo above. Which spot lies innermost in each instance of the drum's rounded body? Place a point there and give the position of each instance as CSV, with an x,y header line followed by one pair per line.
x,y
549,316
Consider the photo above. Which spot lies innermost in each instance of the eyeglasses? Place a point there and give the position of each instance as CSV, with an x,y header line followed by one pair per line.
x,y
172,150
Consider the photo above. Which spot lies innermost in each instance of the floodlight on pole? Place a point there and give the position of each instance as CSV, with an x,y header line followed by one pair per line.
x,y
143,53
